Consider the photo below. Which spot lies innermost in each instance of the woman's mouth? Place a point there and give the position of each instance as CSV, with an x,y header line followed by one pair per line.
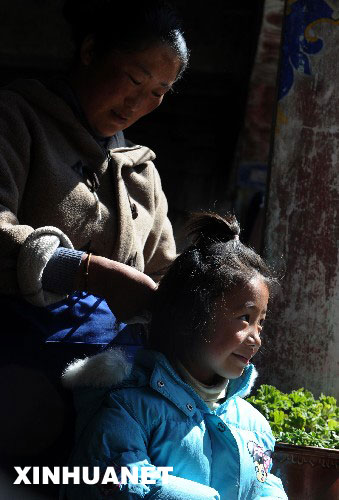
x,y
241,358
118,117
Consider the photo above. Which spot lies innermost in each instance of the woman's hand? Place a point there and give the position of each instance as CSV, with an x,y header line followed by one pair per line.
x,y
128,292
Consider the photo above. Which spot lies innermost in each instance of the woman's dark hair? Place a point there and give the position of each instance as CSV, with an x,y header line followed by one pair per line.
x,y
215,263
126,26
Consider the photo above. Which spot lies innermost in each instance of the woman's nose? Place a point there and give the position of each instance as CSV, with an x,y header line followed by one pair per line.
x,y
133,101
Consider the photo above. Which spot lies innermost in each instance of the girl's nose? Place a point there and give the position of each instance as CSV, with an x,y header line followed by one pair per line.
x,y
254,337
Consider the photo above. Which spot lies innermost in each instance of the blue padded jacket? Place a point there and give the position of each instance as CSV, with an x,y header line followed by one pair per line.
x,y
143,414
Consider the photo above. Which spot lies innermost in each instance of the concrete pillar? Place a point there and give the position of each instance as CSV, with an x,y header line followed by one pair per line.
x,y
302,226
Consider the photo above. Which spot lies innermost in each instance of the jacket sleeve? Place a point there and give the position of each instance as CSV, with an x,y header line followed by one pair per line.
x,y
24,250
160,249
114,438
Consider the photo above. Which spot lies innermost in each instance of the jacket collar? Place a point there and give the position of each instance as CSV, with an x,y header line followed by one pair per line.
x,y
243,385
166,381
111,368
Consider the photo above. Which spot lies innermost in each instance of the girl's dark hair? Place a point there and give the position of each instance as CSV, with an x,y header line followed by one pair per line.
x,y
215,263
126,26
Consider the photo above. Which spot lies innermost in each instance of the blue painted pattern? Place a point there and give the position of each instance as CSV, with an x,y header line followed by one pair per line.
x,y
296,46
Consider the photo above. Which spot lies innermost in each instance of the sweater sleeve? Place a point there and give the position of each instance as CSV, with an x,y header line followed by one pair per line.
x,y
160,248
24,250
59,273
114,438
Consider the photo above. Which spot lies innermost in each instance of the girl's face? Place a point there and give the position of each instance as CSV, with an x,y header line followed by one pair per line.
x,y
117,89
234,335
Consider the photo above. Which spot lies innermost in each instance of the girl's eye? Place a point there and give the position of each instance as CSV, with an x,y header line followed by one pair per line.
x,y
245,317
157,95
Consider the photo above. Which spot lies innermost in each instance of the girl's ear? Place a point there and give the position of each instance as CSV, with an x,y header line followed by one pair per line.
x,y
87,50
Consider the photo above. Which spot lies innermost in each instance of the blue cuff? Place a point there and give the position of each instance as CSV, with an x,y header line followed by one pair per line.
x,y
59,273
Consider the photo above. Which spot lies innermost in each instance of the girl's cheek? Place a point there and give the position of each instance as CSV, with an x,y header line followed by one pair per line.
x,y
219,347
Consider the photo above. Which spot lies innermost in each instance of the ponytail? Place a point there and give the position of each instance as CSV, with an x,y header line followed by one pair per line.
x,y
206,227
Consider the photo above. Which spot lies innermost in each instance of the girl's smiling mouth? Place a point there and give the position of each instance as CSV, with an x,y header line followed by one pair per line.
x,y
241,358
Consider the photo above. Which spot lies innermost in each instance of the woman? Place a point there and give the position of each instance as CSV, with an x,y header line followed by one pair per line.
x,y
82,208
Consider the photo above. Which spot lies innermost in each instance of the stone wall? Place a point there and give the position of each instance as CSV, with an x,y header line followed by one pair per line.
x,y
302,231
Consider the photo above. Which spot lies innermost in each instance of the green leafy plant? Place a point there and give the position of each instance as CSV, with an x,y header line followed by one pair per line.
x,y
298,418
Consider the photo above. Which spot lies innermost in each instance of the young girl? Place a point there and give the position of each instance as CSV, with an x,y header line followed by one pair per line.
x,y
180,403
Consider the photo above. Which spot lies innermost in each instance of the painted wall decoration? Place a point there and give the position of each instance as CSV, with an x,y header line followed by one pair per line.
x,y
303,203
300,38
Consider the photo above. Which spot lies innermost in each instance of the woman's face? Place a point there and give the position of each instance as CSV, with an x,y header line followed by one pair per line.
x,y
234,335
117,89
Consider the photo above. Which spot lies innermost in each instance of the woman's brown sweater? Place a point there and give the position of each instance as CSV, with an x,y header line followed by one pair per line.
x,y
46,202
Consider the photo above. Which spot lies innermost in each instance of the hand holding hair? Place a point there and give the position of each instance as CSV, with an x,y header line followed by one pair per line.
x,y
128,292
